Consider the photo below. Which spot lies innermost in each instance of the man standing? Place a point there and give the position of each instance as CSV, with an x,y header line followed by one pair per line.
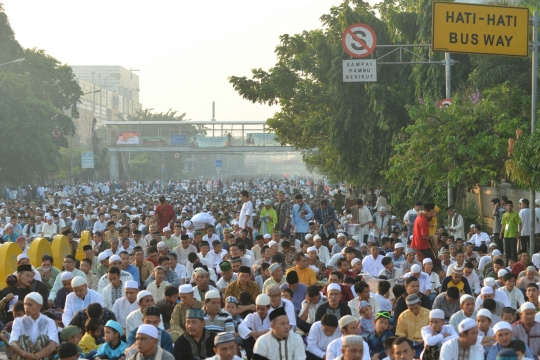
x,y
510,231
362,216
325,216
283,210
246,214
410,217
381,223
457,226
465,346
269,218
524,234
280,343
498,212
301,214
421,238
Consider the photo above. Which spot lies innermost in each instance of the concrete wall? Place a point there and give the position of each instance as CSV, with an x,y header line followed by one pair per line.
x,y
482,197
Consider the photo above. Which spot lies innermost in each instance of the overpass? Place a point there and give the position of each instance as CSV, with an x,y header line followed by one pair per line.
x,y
188,138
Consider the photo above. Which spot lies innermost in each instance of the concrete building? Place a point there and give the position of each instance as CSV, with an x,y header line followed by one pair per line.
x,y
111,94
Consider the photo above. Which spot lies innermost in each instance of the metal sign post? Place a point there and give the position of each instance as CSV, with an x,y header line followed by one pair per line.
x,y
534,43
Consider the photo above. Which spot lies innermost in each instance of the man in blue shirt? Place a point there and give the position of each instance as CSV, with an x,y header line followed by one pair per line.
x,y
301,214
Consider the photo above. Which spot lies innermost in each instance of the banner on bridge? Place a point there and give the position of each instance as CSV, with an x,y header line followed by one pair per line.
x,y
209,142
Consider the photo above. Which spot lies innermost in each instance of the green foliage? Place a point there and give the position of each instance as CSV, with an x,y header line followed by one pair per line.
x,y
524,165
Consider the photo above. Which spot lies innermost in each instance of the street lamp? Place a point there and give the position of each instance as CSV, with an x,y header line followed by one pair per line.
x,y
12,62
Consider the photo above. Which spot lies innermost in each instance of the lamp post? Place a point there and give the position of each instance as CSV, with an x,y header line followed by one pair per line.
x,y
13,62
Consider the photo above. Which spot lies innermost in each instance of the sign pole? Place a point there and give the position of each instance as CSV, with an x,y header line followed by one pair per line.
x,y
534,104
448,75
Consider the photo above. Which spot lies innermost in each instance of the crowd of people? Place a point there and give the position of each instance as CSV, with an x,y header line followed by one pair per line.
x,y
272,269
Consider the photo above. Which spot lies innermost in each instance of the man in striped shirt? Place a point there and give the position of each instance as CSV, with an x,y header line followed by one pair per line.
x,y
215,319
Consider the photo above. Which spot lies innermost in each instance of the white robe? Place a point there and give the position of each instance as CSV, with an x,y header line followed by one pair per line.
x,y
253,322
134,320
269,347
122,308
333,351
450,349
431,338
318,341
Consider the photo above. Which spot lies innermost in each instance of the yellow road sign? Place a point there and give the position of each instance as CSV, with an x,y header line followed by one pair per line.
x,y
480,29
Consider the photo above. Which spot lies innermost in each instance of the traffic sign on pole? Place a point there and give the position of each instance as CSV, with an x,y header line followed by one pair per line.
x,y
444,103
361,70
56,133
480,29
218,163
176,155
163,166
359,40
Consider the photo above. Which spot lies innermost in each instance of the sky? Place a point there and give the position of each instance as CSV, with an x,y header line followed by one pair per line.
x,y
185,50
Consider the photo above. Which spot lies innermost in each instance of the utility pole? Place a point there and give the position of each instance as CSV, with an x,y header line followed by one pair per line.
x,y
535,19
448,76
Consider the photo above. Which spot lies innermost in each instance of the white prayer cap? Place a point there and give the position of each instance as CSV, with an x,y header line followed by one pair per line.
x,y
345,320
465,297
131,284
187,224
491,245
333,287
399,246
78,281
142,294
496,252
332,241
427,261
267,236
49,218
186,289
355,260
66,275
149,330
527,306
35,296
436,314
22,256
114,258
272,243
152,213
486,290
312,248
102,256
466,324
190,235
341,235
317,237
166,229
161,245
502,325
308,236
489,281
223,254
415,269
263,300
353,340
273,267
484,312
212,294
472,225
502,272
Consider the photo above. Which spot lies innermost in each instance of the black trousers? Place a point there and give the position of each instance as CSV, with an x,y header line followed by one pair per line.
x,y
499,241
510,249
310,356
303,325
524,240
248,345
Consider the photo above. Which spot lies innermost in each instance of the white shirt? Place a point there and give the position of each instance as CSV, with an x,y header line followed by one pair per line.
x,y
483,261
58,282
515,297
33,328
451,267
183,253
217,257
407,215
134,320
499,296
474,283
373,266
100,226
478,239
312,309
431,338
269,347
323,254
122,308
333,351
196,294
450,350
107,294
289,310
202,219
247,210
525,216
384,303
222,283
189,270
210,240
318,341
373,302
110,253
75,303
180,270
537,222
49,230
253,322
423,279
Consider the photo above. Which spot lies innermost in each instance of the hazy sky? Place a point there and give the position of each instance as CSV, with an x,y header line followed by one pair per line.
x,y
185,50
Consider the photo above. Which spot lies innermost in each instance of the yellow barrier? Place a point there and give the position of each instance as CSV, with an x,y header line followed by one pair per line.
x,y
39,248
60,248
8,263
85,240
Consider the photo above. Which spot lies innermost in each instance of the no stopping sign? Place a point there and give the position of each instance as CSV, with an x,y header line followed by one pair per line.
x,y
359,40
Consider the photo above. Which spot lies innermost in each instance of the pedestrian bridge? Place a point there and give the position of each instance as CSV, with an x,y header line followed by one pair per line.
x,y
184,138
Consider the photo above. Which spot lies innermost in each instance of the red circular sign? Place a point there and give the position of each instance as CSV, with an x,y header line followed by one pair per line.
x,y
444,103
203,157
359,40
56,133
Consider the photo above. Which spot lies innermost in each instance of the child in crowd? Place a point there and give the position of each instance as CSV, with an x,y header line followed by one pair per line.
x,y
287,294
114,347
377,337
435,334
519,347
72,334
383,293
388,349
366,324
484,321
231,306
491,305
508,315
18,311
90,340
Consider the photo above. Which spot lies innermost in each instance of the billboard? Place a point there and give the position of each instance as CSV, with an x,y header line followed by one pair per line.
x,y
257,139
208,142
87,160
153,140
127,138
178,139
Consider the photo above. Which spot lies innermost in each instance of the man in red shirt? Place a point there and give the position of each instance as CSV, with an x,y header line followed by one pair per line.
x,y
421,237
